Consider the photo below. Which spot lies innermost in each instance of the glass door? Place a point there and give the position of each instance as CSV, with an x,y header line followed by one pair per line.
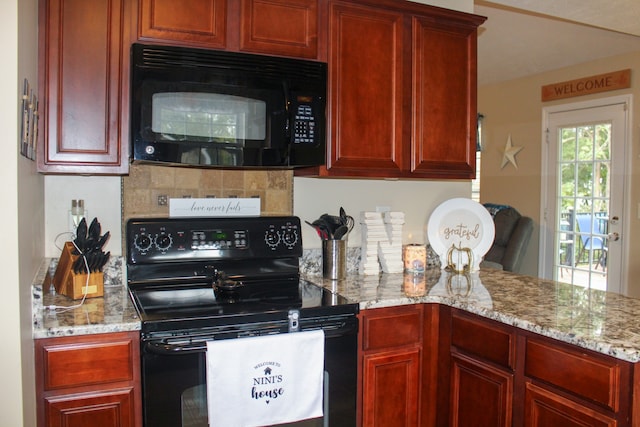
x,y
585,191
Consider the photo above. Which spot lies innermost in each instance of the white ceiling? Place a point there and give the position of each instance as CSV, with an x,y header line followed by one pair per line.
x,y
525,37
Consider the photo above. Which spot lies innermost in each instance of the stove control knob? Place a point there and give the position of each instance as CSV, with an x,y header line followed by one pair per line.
x,y
163,241
290,238
271,238
142,242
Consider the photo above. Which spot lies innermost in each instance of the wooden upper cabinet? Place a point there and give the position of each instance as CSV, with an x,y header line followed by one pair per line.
x,y
280,27
83,86
444,97
194,22
366,81
272,27
402,91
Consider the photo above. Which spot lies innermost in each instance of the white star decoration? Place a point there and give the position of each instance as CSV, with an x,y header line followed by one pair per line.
x,y
510,154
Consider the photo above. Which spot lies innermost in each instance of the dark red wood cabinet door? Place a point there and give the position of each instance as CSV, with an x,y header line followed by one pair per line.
x,y
201,23
280,27
544,408
443,141
109,409
366,90
481,395
392,385
84,86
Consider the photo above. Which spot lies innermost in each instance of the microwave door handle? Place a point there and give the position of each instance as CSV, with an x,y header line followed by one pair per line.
x,y
287,108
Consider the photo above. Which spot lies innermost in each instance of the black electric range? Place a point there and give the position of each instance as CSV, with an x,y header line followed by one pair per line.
x,y
199,280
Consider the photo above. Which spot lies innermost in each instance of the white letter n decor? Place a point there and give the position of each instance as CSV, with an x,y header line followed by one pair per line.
x,y
381,242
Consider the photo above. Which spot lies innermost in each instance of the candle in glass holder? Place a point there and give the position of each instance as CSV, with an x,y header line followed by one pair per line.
x,y
415,257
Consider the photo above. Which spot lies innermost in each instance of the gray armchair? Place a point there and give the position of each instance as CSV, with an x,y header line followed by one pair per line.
x,y
513,232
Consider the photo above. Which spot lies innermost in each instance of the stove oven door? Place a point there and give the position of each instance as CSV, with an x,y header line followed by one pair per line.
x,y
174,390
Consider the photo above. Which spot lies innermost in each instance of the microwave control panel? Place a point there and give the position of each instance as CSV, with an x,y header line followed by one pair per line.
x,y
304,125
305,120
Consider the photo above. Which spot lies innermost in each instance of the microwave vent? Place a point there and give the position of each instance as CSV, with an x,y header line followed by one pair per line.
x,y
169,57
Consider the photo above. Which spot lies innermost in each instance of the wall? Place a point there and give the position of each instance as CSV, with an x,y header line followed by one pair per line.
x,y
417,199
101,195
515,108
22,215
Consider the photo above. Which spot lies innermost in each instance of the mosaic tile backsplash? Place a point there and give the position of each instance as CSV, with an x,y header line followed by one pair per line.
x,y
147,189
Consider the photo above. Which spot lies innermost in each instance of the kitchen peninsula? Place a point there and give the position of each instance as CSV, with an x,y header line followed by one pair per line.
x,y
582,346
493,348
604,322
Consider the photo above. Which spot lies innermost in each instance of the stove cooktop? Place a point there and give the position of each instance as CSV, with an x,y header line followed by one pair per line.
x,y
196,307
182,273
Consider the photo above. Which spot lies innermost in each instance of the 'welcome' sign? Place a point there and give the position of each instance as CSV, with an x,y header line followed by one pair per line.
x,y
587,85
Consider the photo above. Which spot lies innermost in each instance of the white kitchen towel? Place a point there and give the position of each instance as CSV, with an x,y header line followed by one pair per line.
x,y
265,380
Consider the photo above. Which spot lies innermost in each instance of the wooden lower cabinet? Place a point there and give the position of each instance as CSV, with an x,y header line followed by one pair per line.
x,y
391,363
89,380
392,387
482,372
504,376
481,394
545,408
569,386
113,408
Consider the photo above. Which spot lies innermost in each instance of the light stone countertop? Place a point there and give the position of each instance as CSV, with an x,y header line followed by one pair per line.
x,y
605,322
114,312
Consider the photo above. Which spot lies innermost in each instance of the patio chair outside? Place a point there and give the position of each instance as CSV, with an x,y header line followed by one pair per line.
x,y
587,226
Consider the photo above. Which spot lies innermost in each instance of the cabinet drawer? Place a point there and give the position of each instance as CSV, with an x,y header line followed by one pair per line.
x,y
593,377
483,338
392,327
545,408
87,363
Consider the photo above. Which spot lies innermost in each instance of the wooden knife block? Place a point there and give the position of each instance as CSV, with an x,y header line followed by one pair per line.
x,y
72,284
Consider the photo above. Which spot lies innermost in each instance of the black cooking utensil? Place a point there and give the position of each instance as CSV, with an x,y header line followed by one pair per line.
x,y
322,233
332,222
346,220
326,231
340,232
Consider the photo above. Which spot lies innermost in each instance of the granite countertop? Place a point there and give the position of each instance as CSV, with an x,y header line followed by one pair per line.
x,y
113,312
605,322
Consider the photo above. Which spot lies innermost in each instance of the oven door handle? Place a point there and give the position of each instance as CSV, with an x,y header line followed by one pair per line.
x,y
166,349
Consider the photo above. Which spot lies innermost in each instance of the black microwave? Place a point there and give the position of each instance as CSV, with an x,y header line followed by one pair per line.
x,y
207,108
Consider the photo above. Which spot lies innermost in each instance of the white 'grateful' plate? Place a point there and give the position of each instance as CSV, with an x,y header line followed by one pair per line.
x,y
461,223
